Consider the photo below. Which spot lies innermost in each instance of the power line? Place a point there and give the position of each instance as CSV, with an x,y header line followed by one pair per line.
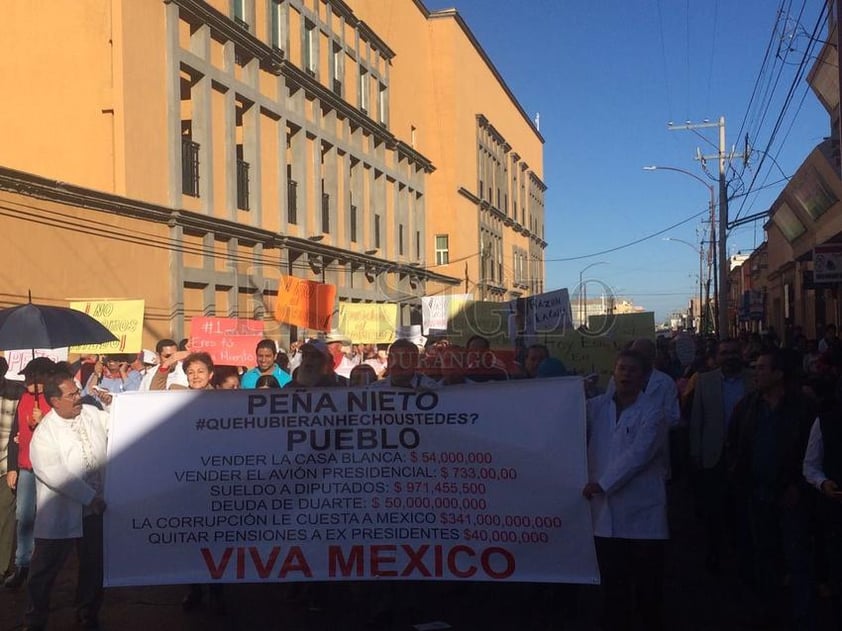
x,y
787,101
664,61
631,243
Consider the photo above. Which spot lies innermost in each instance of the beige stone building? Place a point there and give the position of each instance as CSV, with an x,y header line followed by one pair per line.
x,y
191,152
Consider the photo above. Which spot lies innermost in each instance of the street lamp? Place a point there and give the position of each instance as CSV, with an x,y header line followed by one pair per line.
x,y
722,331
699,317
583,291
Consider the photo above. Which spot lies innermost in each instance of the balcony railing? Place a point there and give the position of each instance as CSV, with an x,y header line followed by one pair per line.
x,y
189,167
242,185
292,201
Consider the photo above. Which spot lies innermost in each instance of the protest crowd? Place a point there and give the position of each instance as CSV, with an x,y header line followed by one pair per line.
x,y
749,429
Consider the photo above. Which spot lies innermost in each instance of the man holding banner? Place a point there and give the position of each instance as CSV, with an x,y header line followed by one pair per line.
x,y
68,459
626,437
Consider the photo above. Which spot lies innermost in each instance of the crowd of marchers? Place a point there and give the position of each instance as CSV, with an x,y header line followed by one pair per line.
x,y
53,431
753,424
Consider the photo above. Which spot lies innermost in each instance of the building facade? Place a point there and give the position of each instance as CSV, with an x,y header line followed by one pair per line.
x,y
192,152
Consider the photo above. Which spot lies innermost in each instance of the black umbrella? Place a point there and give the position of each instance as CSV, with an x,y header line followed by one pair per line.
x,y
40,326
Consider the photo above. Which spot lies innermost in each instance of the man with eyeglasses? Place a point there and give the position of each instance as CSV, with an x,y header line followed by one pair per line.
x,y
165,349
68,459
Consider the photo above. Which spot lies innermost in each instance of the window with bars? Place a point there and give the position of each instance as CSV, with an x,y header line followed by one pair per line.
x,y
292,197
242,184
189,167
325,210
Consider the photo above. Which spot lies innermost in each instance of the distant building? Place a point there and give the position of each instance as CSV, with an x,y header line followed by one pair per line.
x,y
600,306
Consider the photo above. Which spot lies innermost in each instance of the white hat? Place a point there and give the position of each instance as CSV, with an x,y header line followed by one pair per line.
x,y
335,336
412,333
148,357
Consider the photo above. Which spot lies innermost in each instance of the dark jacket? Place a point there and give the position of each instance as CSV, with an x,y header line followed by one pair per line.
x,y
796,413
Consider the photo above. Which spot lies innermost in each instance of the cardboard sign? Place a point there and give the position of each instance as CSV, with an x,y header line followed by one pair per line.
x,y
436,311
230,341
18,359
243,486
305,303
124,318
368,323
595,350
550,311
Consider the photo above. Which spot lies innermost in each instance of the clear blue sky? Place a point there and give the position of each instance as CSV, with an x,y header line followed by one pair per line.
x,y
606,78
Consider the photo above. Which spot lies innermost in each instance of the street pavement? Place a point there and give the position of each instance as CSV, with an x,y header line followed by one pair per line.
x,y
694,601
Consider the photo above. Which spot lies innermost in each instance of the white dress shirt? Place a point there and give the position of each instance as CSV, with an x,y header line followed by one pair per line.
x,y
68,459
625,457
814,457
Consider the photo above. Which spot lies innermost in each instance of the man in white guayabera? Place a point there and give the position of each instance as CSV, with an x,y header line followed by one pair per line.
x,y
68,459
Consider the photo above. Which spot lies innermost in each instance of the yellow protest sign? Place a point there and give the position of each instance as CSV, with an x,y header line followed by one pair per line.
x,y
124,318
594,350
367,323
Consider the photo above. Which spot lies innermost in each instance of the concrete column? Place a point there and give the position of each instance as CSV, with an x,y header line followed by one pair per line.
x,y
173,106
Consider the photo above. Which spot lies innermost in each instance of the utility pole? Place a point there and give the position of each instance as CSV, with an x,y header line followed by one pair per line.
x,y
722,297
466,277
839,83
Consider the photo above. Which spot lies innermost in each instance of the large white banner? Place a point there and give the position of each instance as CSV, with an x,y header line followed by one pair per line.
x,y
471,482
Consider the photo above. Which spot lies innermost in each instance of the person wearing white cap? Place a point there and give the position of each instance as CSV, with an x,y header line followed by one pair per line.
x,y
342,366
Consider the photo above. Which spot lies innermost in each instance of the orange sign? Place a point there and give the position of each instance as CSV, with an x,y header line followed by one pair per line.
x,y
305,303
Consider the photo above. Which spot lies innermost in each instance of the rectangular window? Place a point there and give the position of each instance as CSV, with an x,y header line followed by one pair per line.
x,y
310,43
336,69
376,231
189,167
442,249
292,197
238,12
788,222
363,91
325,210
382,105
418,245
400,239
353,224
242,183
275,24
